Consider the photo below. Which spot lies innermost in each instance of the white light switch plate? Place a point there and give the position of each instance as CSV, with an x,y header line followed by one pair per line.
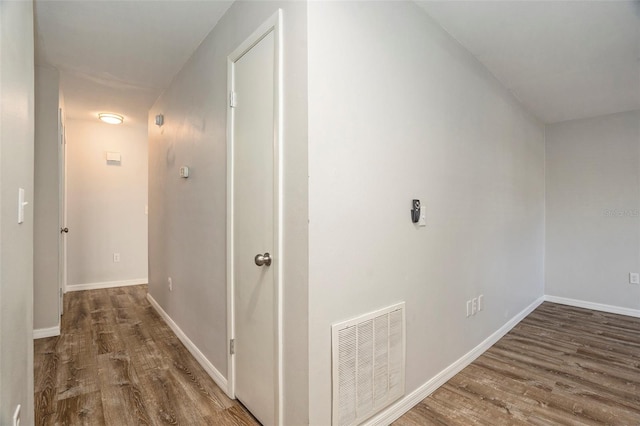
x,y
634,278
21,205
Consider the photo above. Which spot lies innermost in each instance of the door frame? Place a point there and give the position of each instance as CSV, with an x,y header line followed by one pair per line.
x,y
62,210
273,24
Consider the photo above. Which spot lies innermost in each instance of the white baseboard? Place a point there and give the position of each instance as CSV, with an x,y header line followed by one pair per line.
x,y
595,306
395,411
106,284
217,377
40,333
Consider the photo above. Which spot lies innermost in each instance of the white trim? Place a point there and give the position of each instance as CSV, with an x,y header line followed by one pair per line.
x,y
273,24
405,404
199,356
231,331
106,284
279,192
594,306
40,333
62,220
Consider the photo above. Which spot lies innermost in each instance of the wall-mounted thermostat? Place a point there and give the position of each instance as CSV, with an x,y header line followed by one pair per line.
x,y
184,172
113,158
418,213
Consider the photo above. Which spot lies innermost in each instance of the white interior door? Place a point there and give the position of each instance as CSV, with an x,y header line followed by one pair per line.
x,y
255,288
62,212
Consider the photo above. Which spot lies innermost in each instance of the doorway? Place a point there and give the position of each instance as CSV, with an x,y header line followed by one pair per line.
x,y
254,222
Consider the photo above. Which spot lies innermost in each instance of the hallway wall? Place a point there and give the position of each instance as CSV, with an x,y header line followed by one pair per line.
x,y
16,242
106,203
399,110
187,217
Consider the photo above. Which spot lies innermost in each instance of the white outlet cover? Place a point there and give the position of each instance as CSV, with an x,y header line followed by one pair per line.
x,y
474,306
634,278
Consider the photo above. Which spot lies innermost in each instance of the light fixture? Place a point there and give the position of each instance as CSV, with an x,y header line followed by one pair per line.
x,y
110,118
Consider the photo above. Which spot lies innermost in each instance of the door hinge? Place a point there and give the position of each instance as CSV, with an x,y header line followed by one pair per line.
x,y
233,99
232,346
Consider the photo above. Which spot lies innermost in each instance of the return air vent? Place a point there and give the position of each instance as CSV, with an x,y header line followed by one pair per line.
x,y
368,364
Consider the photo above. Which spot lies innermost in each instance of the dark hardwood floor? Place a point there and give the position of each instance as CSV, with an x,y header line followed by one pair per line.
x,y
560,366
117,363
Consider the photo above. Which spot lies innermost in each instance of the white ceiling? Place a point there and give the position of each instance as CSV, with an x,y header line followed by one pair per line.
x,y
118,56
562,59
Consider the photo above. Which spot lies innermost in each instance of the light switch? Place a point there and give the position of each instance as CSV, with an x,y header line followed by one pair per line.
x,y
634,278
21,205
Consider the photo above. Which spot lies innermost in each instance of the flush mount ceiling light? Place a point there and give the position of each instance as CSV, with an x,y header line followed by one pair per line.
x,y
110,118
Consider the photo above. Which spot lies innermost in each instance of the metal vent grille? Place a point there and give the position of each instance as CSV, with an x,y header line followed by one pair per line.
x,y
368,364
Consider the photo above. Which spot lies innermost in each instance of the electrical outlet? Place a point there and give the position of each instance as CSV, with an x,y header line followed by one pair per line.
x,y
468,308
170,284
634,278
474,306
480,302
116,257
16,416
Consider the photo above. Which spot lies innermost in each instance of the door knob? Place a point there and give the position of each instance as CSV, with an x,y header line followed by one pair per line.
x,y
65,230
263,259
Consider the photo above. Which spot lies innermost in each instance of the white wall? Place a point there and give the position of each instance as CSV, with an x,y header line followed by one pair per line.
x,y
16,242
398,110
106,202
46,215
593,209
187,218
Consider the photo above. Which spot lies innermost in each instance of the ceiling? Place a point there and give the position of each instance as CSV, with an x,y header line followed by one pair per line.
x,y
562,59
118,56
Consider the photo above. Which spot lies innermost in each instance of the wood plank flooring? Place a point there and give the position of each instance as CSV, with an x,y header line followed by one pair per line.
x,y
117,363
560,366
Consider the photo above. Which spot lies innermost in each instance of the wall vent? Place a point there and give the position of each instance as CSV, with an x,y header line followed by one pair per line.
x,y
368,364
